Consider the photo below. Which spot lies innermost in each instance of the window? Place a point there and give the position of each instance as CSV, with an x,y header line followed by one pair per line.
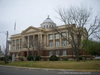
x,y
57,36
25,44
50,53
57,52
30,41
51,44
64,42
63,34
17,44
20,43
64,53
57,43
13,44
50,36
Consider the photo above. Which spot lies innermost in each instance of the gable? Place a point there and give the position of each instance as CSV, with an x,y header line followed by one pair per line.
x,y
31,29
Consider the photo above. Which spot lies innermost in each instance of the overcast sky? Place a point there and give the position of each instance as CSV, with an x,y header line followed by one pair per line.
x,y
33,12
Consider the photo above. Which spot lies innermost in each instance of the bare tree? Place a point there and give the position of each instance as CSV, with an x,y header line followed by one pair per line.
x,y
40,46
97,36
83,21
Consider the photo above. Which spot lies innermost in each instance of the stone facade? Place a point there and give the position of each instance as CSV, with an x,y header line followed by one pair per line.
x,y
44,41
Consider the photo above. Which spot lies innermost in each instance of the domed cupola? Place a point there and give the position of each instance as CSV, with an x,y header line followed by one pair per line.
x,y
48,23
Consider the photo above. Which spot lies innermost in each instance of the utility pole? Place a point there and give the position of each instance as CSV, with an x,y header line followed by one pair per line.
x,y
6,51
0,50
0,47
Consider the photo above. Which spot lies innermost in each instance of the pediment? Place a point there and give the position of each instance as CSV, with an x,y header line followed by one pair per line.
x,y
31,29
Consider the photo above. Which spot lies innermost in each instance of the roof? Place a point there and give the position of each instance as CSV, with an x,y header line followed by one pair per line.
x,y
48,20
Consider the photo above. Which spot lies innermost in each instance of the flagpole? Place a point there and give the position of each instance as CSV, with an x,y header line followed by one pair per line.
x,y
15,28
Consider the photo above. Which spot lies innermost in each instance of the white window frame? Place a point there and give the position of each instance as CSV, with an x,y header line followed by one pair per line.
x,y
64,53
50,43
57,43
64,42
50,36
57,36
50,53
57,53
64,34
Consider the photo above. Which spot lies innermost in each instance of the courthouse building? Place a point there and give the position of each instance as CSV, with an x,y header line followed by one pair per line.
x,y
44,41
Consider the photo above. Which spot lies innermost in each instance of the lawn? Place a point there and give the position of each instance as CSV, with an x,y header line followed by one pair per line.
x,y
81,65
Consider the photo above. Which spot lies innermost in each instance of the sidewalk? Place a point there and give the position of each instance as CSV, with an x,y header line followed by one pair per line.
x,y
47,69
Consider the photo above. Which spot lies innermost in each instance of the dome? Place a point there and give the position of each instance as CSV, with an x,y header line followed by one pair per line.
x,y
48,23
48,20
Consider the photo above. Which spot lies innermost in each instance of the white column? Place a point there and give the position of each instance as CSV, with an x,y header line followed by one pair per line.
x,y
53,39
15,44
41,38
12,47
13,57
47,40
20,44
60,42
28,41
33,40
23,41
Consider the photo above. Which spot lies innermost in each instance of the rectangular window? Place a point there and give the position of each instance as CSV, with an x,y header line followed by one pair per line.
x,y
25,44
64,42
51,44
30,41
20,43
57,36
13,44
50,36
57,52
64,35
64,53
17,44
50,53
57,43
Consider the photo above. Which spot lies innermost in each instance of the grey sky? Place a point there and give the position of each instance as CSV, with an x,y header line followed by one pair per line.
x,y
33,12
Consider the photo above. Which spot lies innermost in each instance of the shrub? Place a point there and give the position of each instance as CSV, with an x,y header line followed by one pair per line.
x,y
21,58
1,58
30,58
54,58
82,58
65,59
8,58
37,58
